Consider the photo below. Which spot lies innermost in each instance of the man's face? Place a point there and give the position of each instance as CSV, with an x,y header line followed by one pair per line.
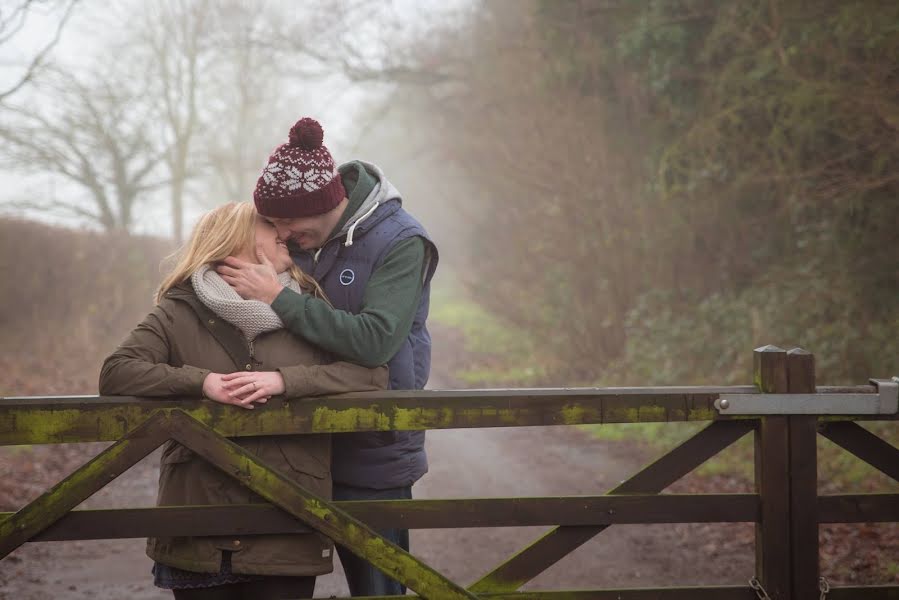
x,y
308,233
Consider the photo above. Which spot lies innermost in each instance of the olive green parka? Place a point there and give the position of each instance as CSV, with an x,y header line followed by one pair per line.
x,y
169,354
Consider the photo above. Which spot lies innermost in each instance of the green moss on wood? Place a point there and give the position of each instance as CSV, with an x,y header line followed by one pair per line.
x,y
101,420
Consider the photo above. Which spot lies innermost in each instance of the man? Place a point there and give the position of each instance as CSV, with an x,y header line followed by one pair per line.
x,y
346,227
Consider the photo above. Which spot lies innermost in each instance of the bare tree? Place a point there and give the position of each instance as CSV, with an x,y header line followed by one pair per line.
x,y
236,146
96,135
212,85
13,19
174,45
213,75
384,49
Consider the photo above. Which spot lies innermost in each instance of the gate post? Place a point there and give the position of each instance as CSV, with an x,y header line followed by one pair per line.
x,y
803,480
772,479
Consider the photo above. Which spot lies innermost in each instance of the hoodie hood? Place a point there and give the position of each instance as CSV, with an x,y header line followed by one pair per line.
x,y
381,192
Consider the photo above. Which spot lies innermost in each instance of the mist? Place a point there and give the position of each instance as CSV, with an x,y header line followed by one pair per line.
x,y
622,194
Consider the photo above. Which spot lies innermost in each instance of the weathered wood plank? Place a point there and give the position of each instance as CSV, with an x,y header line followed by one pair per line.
x,y
171,521
655,477
669,593
81,419
769,371
858,508
803,480
408,514
568,511
864,592
51,420
80,485
878,453
433,514
321,515
100,418
801,372
772,479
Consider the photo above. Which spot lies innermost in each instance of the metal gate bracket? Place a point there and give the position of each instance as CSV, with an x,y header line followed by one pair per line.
x,y
884,402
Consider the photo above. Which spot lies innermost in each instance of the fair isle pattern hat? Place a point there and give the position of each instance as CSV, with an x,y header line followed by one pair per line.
x,y
300,179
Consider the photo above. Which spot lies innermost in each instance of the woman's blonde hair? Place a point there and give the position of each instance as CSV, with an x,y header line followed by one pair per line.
x,y
227,230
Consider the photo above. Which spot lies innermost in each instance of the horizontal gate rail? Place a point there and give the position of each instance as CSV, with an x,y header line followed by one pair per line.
x,y
51,420
864,592
861,592
256,519
668,593
411,514
858,508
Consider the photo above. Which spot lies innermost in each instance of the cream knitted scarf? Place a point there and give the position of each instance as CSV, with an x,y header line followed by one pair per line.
x,y
252,317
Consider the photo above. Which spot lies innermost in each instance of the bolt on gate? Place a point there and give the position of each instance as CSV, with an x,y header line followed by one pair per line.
x,y
784,410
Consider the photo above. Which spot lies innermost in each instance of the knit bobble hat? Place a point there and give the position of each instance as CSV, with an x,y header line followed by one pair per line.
x,y
300,179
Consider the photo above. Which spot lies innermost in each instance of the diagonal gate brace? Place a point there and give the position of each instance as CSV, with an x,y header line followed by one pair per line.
x,y
652,479
316,512
56,502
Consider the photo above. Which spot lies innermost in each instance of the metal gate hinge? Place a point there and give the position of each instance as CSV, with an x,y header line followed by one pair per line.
x,y
884,402
887,394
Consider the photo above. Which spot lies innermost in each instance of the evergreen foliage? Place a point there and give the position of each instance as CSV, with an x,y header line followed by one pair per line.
x,y
684,179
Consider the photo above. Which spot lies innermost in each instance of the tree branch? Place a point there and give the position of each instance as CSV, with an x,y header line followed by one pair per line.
x,y
38,60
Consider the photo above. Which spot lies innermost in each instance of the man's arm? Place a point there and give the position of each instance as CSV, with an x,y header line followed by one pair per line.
x,y
373,336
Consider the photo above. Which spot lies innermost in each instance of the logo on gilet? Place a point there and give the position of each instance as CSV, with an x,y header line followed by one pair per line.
x,y
347,277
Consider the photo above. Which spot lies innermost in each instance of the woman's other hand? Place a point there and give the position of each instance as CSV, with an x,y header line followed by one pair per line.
x,y
215,388
253,386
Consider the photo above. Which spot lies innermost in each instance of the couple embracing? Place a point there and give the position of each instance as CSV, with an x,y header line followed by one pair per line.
x,y
320,288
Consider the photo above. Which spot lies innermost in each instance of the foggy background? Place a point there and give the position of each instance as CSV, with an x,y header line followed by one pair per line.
x,y
623,193
642,191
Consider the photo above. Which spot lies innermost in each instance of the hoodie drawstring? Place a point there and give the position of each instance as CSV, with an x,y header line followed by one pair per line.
x,y
352,229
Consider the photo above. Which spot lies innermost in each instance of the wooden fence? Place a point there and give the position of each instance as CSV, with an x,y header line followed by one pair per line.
x,y
786,507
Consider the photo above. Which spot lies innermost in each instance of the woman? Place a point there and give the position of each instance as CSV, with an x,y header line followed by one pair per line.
x,y
202,338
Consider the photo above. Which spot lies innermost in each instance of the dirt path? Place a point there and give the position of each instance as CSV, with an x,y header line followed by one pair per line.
x,y
464,463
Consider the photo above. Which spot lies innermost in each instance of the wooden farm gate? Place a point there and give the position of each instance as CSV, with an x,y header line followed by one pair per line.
x,y
784,410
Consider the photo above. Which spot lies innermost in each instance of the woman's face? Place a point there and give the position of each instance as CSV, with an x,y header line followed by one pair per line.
x,y
274,249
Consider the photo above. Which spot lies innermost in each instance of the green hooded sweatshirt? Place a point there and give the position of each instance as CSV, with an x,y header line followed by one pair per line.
x,y
371,337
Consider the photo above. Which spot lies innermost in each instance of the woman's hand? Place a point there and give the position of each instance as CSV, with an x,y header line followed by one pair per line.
x,y
253,386
214,388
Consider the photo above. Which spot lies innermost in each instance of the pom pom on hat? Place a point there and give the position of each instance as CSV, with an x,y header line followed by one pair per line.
x,y
306,134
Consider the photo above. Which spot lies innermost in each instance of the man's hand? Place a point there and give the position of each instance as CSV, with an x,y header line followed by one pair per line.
x,y
252,282
214,389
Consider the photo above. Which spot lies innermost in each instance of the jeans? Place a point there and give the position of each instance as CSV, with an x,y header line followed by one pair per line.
x,y
362,578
